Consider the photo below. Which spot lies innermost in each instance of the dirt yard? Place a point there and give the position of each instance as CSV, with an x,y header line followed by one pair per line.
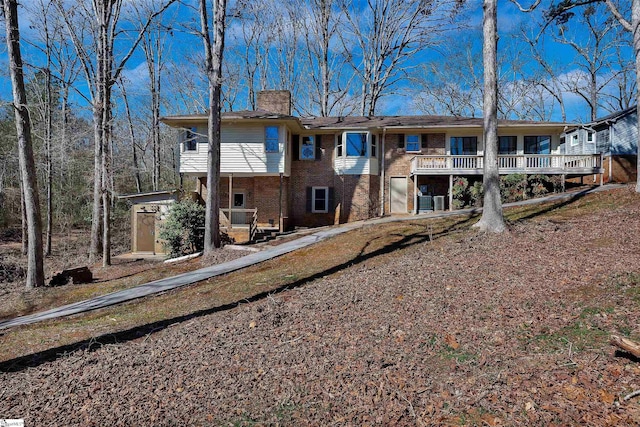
x,y
465,330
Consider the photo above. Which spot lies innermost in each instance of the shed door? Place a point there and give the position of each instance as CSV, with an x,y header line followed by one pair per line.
x,y
398,194
145,231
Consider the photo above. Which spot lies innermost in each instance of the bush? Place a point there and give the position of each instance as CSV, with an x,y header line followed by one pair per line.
x,y
476,194
460,192
513,187
183,231
539,185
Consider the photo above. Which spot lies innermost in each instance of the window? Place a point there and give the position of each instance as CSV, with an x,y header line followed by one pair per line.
x,y
537,144
590,138
271,139
356,144
412,143
374,145
507,145
574,139
320,199
339,147
464,145
190,140
308,148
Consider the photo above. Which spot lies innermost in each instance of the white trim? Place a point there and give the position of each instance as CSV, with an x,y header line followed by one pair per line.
x,y
312,138
278,141
575,139
406,143
313,200
593,137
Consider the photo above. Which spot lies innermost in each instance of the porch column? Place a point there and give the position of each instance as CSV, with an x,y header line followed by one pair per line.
x,y
415,194
280,224
563,183
602,167
230,200
451,193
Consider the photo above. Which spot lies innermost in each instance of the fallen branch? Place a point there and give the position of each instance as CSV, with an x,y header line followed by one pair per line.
x,y
626,345
631,395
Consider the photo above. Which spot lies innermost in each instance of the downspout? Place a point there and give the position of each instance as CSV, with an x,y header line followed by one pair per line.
x,y
382,166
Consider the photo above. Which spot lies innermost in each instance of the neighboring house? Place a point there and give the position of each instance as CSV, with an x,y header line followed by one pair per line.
x,y
317,171
616,137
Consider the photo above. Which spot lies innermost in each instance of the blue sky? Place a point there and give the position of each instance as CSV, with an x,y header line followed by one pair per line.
x,y
509,21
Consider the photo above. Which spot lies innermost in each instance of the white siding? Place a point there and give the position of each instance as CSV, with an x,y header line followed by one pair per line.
x,y
241,151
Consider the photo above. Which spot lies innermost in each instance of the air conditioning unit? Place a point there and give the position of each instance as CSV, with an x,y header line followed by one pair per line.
x,y
438,203
425,204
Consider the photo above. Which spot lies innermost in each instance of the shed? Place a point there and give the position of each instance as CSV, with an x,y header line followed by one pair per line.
x,y
148,213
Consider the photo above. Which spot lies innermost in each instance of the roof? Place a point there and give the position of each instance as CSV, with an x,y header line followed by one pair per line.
x,y
229,115
358,122
148,194
350,122
617,115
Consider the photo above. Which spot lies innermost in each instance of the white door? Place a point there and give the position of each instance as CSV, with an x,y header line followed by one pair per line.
x,y
238,218
398,194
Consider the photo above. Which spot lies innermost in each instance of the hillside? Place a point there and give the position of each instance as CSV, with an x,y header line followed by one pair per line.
x,y
461,329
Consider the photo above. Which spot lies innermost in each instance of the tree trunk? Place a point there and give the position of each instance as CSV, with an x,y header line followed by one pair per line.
x,y
213,55
49,162
635,23
35,270
132,135
492,219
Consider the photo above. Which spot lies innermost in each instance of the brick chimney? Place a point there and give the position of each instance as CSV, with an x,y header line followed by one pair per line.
x,y
275,101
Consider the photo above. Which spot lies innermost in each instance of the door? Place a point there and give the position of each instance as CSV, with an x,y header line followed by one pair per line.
x,y
145,231
398,194
238,218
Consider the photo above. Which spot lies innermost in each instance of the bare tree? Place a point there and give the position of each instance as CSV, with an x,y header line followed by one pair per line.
x,y
214,49
594,54
102,68
492,219
132,136
384,36
35,268
562,12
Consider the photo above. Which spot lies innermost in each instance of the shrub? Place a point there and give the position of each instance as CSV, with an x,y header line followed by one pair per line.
x,y
183,231
513,187
539,185
476,194
460,192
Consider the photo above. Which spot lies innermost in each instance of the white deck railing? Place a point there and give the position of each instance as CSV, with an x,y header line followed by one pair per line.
x,y
512,163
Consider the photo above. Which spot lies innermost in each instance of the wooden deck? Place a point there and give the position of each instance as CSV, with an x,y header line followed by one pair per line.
x,y
548,164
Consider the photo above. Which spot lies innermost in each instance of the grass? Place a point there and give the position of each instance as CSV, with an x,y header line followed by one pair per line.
x,y
369,244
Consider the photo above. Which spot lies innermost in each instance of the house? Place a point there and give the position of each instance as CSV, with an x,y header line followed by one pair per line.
x,y
287,171
616,137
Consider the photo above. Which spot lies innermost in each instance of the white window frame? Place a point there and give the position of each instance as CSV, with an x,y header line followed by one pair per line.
x,y
312,139
575,139
345,148
419,143
190,134
591,137
313,200
266,145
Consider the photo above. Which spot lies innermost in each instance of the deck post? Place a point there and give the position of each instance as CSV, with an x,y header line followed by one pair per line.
x,y
415,194
280,224
230,200
563,183
451,193
601,167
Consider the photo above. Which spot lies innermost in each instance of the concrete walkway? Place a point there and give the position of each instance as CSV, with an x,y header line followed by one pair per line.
x,y
252,259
